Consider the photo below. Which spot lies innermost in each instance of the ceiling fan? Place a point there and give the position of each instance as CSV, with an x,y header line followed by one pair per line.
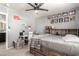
x,y
36,6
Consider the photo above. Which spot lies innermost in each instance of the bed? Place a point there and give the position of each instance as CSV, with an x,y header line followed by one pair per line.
x,y
68,44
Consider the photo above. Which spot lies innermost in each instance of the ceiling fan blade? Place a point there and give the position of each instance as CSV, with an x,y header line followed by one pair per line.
x,y
31,5
40,5
29,9
43,9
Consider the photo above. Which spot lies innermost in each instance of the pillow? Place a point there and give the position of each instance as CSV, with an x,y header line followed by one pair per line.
x,y
71,35
71,38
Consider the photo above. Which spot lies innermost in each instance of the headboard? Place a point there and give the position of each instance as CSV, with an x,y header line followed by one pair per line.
x,y
63,32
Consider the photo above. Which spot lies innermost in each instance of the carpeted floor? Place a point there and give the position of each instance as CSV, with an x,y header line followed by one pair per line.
x,y
14,52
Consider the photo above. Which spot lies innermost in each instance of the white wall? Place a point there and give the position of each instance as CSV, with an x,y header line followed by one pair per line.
x,y
17,26
77,18
44,21
40,23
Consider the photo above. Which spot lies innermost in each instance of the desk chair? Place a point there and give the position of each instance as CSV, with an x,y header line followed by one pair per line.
x,y
26,41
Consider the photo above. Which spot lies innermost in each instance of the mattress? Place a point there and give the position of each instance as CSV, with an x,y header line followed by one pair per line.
x,y
58,44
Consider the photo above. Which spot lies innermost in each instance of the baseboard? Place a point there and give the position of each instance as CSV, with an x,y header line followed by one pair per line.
x,y
10,48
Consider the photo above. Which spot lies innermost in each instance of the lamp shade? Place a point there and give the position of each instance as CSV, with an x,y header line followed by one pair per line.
x,y
53,27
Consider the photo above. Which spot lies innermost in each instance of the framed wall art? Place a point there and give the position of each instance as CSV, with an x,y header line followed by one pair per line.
x,y
73,12
66,19
52,21
65,13
72,18
60,20
55,20
63,17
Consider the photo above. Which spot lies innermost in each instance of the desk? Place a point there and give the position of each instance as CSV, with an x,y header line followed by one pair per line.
x,y
25,36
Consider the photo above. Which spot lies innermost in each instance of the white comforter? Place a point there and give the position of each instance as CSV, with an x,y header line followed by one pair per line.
x,y
59,44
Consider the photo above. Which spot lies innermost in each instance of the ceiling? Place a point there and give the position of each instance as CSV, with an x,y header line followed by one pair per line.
x,y
52,7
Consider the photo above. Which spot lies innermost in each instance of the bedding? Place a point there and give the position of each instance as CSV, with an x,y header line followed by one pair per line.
x,y
59,43
71,38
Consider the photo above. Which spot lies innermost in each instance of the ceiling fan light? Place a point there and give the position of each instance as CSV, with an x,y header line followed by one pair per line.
x,y
7,4
36,11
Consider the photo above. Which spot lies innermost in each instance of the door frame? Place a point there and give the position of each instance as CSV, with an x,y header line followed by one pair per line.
x,y
6,41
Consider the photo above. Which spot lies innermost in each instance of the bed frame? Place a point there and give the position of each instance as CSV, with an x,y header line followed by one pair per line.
x,y
44,51
40,50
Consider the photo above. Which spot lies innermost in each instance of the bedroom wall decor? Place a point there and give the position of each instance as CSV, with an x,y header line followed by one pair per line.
x,y
60,20
63,17
16,17
66,19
